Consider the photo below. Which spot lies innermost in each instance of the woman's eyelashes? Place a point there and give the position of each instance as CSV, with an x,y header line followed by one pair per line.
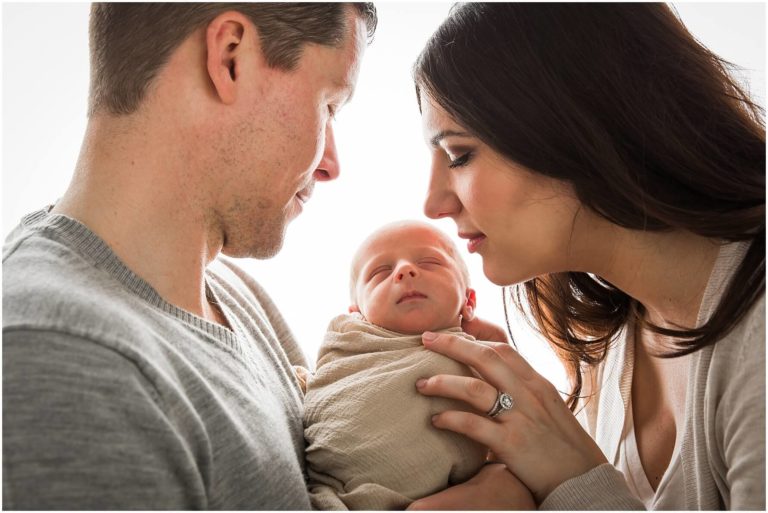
x,y
461,161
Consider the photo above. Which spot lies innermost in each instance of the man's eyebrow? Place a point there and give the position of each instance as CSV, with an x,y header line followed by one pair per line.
x,y
435,141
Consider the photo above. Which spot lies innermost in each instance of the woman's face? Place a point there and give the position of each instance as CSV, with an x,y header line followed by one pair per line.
x,y
523,224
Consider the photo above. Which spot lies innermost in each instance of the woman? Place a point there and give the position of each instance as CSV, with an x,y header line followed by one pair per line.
x,y
602,161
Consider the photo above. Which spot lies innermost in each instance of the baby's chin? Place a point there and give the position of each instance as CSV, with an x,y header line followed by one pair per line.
x,y
413,320
418,326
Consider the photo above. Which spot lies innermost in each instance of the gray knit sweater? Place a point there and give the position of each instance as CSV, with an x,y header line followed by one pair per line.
x,y
115,399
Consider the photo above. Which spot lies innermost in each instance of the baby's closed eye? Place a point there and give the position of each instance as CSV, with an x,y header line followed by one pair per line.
x,y
385,269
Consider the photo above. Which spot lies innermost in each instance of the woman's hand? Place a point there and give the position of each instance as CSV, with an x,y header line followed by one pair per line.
x,y
493,488
484,330
539,438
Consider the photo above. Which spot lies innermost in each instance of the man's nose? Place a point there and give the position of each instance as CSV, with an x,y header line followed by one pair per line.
x,y
404,271
328,168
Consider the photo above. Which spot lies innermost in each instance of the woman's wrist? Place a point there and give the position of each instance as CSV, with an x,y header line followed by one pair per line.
x,y
588,457
546,490
601,488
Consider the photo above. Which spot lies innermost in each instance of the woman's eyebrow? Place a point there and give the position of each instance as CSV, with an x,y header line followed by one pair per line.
x,y
435,141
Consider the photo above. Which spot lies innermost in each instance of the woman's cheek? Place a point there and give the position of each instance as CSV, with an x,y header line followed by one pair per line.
x,y
487,201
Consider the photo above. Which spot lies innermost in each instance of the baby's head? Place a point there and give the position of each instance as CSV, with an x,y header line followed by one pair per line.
x,y
408,277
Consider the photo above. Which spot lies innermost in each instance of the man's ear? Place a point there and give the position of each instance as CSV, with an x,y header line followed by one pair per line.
x,y
468,308
224,45
354,309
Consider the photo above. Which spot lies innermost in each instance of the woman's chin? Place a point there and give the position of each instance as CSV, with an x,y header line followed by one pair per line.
x,y
501,275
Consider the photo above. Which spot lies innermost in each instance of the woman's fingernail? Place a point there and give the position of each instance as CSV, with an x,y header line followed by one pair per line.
x,y
434,419
428,336
421,383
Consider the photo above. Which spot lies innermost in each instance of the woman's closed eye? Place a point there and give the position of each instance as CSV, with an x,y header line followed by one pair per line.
x,y
461,161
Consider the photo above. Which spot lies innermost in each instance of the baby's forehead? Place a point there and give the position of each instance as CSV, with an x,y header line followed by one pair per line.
x,y
413,235
391,241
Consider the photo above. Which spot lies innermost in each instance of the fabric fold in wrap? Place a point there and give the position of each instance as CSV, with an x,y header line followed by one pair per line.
x,y
370,442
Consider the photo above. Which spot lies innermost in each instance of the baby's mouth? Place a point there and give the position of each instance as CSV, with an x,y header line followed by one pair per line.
x,y
411,296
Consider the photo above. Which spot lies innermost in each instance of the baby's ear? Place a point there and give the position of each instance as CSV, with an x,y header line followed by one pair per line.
x,y
468,308
355,312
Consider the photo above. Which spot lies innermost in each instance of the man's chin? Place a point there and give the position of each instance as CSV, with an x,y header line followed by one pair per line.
x,y
261,250
265,253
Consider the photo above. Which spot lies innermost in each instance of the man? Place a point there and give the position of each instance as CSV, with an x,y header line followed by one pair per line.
x,y
140,369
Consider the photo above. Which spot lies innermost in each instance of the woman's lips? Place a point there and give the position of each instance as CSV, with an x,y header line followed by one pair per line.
x,y
474,242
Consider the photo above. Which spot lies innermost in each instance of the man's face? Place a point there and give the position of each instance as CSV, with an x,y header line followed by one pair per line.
x,y
282,143
407,280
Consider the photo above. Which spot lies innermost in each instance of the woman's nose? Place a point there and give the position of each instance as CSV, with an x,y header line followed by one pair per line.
x,y
441,200
328,168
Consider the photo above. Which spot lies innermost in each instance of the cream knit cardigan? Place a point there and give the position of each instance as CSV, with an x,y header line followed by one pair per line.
x,y
723,446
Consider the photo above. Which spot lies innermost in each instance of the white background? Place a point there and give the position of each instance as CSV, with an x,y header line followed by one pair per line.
x,y
384,159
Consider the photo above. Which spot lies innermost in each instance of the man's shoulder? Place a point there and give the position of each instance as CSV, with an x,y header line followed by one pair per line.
x,y
49,286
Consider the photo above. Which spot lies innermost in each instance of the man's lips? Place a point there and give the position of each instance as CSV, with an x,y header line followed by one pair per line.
x,y
409,296
475,240
304,194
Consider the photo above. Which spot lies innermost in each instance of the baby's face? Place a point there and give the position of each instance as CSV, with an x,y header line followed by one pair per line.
x,y
407,281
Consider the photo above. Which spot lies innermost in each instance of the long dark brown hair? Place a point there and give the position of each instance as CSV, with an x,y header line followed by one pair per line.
x,y
645,123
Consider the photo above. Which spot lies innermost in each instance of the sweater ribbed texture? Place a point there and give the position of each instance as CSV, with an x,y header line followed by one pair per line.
x,y
113,398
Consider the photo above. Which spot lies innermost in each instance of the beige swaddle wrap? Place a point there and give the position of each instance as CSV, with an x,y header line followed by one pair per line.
x,y
370,443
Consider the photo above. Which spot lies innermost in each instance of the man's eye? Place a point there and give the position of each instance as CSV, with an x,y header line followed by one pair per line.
x,y
430,261
461,161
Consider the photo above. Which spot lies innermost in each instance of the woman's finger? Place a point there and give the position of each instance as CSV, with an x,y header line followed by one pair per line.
x,y
513,358
473,391
484,330
485,359
477,427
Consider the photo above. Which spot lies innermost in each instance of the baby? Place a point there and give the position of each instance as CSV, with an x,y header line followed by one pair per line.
x,y
370,444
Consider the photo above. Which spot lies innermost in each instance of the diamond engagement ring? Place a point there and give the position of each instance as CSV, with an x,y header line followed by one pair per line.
x,y
503,403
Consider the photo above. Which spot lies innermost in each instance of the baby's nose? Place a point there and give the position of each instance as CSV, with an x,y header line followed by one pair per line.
x,y
404,271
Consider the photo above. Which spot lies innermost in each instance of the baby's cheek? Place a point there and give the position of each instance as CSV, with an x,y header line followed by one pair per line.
x,y
376,311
